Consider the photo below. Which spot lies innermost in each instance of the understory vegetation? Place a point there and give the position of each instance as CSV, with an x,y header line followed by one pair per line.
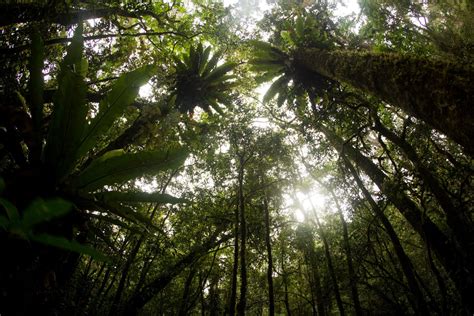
x,y
203,157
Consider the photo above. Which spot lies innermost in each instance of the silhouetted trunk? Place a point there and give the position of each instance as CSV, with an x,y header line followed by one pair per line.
x,y
455,215
286,298
146,268
327,254
115,307
184,307
114,310
271,298
347,249
405,262
453,259
235,268
214,301
241,306
315,279
143,296
436,92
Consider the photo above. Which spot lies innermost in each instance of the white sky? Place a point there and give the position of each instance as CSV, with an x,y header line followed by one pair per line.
x,y
347,7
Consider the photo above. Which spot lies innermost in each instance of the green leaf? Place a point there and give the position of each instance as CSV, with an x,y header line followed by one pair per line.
x,y
83,68
36,82
220,71
198,58
260,65
135,197
40,211
122,94
211,64
73,59
275,88
129,213
119,223
10,209
4,222
300,26
69,113
124,167
215,106
204,59
285,35
281,98
268,49
71,245
268,76
2,185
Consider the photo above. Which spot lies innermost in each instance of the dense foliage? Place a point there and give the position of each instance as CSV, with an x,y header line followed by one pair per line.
x,y
143,171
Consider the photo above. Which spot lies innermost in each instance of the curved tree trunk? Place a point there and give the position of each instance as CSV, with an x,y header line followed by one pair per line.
x,y
455,215
454,260
271,298
235,268
405,262
350,265
315,280
327,254
143,296
185,300
436,92
241,306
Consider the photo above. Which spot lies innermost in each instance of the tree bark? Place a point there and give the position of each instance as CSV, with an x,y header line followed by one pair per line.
x,y
235,268
315,274
184,307
453,259
271,297
114,310
347,249
436,92
405,262
241,306
455,216
327,254
139,299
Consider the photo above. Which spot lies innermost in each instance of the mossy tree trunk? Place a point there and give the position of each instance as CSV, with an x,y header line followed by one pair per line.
x,y
439,93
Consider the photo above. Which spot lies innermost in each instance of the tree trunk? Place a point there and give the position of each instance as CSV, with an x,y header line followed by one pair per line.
x,y
316,282
184,307
128,264
455,216
347,249
123,278
327,254
436,92
286,298
271,298
454,260
235,268
241,306
405,262
139,299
